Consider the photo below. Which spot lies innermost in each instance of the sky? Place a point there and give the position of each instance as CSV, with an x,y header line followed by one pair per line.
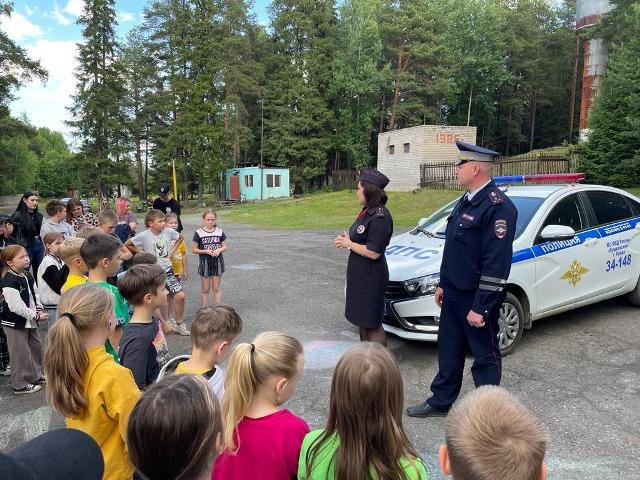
x,y
47,30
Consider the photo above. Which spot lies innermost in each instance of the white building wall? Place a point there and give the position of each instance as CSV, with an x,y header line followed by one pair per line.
x,y
427,144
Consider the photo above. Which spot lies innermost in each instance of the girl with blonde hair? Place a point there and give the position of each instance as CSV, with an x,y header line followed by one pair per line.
x,y
261,440
364,437
94,393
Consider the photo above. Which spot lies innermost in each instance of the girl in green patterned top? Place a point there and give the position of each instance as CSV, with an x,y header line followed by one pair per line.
x,y
364,437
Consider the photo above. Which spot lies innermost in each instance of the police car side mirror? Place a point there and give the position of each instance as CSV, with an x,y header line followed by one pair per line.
x,y
557,232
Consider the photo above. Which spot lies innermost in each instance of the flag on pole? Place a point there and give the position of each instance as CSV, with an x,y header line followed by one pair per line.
x,y
175,180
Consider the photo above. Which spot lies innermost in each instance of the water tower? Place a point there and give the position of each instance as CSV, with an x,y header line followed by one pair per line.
x,y
589,13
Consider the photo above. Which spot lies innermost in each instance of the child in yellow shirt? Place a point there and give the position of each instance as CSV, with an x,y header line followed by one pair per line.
x,y
95,394
69,253
178,260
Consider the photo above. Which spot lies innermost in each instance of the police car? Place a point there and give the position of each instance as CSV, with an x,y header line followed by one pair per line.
x,y
574,245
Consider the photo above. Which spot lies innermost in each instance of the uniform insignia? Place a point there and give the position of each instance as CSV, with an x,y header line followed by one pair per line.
x,y
495,198
500,228
466,216
380,212
360,229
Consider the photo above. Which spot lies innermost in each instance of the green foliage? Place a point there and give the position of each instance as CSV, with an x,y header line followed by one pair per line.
x,y
17,164
359,78
55,172
16,68
611,154
190,85
297,115
97,110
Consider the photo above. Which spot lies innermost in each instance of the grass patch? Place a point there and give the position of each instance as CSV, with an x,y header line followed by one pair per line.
x,y
335,210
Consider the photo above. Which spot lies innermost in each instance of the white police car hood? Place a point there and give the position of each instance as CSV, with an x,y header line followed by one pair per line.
x,y
412,255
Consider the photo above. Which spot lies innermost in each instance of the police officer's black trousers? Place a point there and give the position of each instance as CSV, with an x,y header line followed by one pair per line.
x,y
455,337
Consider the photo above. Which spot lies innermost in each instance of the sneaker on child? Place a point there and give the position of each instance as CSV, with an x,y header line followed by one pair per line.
x,y
30,388
181,329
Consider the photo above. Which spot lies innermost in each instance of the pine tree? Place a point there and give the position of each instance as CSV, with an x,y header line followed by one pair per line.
x,y
359,78
16,68
97,116
241,76
138,73
415,34
611,154
297,114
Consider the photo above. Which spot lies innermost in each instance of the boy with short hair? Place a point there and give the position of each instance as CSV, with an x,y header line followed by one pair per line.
x,y
157,240
107,222
69,253
213,330
56,222
491,435
101,253
143,286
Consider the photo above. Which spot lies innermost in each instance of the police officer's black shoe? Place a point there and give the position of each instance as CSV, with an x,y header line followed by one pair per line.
x,y
425,410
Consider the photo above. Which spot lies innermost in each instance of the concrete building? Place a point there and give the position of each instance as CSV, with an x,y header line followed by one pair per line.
x,y
255,183
401,152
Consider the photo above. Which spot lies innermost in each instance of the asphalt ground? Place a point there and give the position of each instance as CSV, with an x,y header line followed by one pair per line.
x,y
579,371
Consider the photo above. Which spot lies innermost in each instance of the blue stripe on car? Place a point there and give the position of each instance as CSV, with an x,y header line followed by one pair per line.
x,y
530,252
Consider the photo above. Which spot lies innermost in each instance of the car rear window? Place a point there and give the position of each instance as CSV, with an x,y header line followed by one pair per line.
x,y
609,207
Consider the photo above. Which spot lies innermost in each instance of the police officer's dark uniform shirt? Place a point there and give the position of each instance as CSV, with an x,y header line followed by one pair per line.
x,y
478,248
367,278
475,267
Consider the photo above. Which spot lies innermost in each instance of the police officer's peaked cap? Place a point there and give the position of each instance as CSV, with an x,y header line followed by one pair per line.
x,y
164,188
469,152
372,175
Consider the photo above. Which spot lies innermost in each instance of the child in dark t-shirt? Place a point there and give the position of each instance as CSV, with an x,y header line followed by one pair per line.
x,y
143,287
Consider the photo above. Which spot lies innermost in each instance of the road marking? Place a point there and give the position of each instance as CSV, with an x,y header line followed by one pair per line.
x,y
324,354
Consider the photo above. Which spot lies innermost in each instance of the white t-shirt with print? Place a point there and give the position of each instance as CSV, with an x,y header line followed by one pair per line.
x,y
159,245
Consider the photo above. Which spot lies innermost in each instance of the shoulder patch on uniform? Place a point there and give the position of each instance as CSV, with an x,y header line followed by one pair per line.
x,y
500,228
495,198
380,212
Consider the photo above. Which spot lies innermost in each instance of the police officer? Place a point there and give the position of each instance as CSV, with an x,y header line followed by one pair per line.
x,y
367,272
475,266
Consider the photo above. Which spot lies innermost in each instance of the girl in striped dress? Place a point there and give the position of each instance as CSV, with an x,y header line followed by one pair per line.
x,y
209,242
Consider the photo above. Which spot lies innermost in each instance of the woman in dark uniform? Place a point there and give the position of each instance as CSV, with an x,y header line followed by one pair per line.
x,y
367,272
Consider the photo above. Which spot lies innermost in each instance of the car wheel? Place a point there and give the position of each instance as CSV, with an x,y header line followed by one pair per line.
x,y
511,323
634,295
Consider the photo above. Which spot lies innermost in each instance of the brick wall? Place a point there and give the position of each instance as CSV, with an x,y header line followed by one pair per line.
x,y
426,144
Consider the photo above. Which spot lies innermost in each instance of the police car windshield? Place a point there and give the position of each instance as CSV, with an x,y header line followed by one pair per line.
x,y
437,223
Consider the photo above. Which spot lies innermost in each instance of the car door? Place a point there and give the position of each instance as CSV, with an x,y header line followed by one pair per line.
x,y
619,229
566,271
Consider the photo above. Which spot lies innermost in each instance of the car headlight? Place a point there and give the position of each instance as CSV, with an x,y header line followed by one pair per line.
x,y
423,285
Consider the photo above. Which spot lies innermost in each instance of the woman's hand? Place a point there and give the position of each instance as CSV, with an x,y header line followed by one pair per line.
x,y
342,241
43,316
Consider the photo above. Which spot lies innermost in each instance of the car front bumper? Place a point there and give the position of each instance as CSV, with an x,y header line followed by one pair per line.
x,y
414,318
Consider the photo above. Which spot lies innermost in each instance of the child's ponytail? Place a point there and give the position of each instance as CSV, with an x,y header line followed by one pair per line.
x,y
250,365
80,310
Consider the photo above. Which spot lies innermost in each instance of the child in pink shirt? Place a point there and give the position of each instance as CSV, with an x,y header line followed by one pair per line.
x,y
261,440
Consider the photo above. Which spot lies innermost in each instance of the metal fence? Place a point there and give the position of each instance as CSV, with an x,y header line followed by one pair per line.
x,y
443,175
342,179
